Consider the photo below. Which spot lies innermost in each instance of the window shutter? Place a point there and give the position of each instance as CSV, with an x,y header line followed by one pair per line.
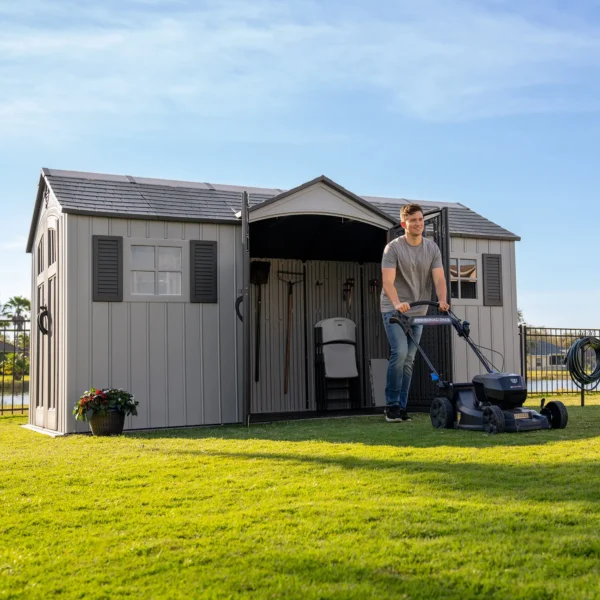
x,y
492,280
107,268
203,271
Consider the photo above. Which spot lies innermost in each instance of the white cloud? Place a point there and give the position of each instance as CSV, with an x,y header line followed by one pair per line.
x,y
134,63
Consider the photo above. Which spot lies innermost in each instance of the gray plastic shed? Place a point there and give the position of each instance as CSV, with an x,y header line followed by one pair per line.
x,y
141,278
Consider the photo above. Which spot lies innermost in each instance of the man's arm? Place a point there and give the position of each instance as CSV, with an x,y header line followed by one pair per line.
x,y
441,289
388,276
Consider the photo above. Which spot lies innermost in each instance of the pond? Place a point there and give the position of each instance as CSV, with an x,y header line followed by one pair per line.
x,y
18,390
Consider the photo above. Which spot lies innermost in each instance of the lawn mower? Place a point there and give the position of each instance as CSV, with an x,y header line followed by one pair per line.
x,y
492,402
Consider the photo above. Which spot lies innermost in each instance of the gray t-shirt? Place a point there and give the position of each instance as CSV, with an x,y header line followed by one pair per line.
x,y
413,266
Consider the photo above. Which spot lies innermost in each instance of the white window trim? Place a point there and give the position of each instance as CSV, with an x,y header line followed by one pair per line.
x,y
469,301
127,268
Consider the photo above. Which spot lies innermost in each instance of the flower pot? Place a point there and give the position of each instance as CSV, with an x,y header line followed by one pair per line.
x,y
108,423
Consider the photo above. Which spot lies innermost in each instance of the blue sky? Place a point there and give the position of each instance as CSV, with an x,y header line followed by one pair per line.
x,y
486,102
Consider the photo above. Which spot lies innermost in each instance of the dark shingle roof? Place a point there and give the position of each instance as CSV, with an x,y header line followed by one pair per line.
x,y
129,197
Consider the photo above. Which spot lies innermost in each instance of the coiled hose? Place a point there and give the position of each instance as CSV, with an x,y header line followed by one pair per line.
x,y
576,366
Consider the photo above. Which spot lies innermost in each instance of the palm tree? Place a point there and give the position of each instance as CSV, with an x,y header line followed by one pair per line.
x,y
17,309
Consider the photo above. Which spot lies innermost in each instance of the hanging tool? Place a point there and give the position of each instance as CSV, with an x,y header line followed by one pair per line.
x,y
259,275
291,278
374,285
347,295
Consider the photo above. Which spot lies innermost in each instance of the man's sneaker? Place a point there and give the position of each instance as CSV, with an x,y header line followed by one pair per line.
x,y
405,416
392,415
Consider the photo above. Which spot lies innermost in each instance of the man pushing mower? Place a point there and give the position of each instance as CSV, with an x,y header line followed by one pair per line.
x,y
409,266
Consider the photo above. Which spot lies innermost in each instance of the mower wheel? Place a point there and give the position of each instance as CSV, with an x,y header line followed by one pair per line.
x,y
556,413
442,413
493,419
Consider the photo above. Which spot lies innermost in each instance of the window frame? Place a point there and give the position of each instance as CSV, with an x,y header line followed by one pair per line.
x,y
128,296
479,282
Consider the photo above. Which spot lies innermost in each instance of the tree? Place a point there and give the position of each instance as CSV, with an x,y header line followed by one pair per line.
x,y
17,309
17,306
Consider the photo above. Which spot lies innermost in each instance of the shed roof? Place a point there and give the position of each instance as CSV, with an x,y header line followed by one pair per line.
x,y
124,196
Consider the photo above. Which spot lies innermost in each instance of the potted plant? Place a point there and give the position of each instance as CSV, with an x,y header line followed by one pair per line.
x,y
105,410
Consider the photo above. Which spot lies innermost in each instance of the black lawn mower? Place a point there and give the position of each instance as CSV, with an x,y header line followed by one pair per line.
x,y
492,402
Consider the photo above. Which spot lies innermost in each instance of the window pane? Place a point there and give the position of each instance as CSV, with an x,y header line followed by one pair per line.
x,y
453,269
169,258
454,289
142,257
468,289
468,269
142,282
169,284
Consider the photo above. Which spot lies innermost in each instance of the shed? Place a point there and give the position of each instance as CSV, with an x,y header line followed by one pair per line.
x,y
141,279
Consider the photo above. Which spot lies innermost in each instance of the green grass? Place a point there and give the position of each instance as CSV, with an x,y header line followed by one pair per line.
x,y
341,508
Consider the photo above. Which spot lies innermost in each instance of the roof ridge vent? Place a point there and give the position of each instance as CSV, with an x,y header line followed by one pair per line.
x,y
131,179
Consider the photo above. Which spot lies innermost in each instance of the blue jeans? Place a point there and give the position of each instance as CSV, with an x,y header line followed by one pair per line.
x,y
402,358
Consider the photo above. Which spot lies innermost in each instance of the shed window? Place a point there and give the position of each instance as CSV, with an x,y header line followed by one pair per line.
x,y
156,270
51,246
40,256
463,278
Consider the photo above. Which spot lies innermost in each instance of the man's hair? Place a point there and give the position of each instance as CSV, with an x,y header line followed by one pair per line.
x,y
409,209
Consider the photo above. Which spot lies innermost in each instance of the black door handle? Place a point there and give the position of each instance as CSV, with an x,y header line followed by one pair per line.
x,y
43,314
239,300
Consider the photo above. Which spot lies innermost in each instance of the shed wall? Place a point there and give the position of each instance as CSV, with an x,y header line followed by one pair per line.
x,y
182,361
494,327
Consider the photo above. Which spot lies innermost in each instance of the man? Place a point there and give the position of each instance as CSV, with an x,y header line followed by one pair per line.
x,y
410,263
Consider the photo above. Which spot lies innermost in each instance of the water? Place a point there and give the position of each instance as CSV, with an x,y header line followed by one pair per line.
x,y
21,394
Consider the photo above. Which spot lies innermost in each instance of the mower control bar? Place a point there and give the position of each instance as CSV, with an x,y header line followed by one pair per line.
x,y
462,328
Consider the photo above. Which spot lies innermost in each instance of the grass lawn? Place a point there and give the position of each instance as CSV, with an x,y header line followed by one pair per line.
x,y
340,508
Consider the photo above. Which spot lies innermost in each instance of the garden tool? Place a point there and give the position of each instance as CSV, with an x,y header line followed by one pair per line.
x,y
259,275
291,278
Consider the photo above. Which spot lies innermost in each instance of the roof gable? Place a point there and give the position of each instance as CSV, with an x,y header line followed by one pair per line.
x,y
321,196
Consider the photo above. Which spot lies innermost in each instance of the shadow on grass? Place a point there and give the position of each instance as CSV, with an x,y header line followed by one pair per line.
x,y
584,423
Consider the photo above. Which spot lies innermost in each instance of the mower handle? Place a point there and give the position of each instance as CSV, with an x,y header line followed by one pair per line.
x,y
425,303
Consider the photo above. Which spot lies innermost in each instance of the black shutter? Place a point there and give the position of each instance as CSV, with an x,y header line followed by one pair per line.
x,y
107,268
492,280
203,271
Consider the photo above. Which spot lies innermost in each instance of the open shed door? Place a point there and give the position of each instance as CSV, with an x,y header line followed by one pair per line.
x,y
435,341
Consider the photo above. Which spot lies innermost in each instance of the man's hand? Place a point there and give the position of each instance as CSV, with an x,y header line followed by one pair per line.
x,y
402,307
444,306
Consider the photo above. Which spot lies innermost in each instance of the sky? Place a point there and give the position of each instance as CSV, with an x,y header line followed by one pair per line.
x,y
491,103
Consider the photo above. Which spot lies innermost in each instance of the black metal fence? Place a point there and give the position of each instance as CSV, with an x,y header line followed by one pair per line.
x,y
15,345
543,359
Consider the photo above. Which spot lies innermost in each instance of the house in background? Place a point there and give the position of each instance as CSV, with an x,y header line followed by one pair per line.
x,y
140,280
546,356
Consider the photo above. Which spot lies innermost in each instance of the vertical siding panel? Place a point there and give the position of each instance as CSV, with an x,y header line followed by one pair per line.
x,y
191,231
194,372
138,358
175,364
137,228
100,331
211,364
226,295
80,290
158,396
118,227
509,290
239,336
174,231
156,229
470,245
459,350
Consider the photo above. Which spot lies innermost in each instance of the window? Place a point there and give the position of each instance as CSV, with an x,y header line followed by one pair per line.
x,y
51,246
156,270
40,256
463,278
557,360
